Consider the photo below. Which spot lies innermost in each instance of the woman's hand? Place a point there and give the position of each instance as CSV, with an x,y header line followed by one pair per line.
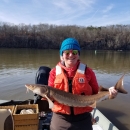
x,y
113,92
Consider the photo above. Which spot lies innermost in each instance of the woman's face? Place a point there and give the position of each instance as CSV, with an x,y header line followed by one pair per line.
x,y
70,57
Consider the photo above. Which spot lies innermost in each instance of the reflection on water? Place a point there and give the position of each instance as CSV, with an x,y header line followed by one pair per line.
x,y
108,61
102,61
19,66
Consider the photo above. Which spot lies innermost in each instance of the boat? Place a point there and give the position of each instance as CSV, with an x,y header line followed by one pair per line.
x,y
100,122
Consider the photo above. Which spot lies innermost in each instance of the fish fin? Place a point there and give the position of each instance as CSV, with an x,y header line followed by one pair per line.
x,y
27,91
119,86
93,105
101,88
51,104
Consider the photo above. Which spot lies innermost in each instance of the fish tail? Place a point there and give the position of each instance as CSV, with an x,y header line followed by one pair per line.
x,y
119,86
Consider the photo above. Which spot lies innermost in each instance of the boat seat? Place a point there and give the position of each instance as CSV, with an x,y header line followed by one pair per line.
x,y
6,120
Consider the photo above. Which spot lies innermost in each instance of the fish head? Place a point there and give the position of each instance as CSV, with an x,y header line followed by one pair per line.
x,y
37,88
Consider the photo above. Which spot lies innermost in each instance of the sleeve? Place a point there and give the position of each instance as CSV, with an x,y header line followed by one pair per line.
x,y
51,78
92,80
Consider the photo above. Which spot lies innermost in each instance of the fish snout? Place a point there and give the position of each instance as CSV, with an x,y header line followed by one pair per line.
x,y
30,86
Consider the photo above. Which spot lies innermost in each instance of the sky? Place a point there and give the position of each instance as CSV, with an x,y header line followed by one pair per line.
x,y
66,12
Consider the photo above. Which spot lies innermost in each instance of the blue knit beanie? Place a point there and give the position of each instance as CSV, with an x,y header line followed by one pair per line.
x,y
69,44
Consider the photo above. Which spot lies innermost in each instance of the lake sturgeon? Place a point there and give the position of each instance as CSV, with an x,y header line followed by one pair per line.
x,y
74,100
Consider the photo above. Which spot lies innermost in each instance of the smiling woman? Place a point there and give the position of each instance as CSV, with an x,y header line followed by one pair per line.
x,y
70,75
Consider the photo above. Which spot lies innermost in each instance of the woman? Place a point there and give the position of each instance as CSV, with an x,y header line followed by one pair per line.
x,y
72,76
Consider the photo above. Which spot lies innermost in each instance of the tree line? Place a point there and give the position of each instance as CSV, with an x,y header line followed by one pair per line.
x,y
46,36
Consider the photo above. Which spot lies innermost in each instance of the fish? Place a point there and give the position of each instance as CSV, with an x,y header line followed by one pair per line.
x,y
74,100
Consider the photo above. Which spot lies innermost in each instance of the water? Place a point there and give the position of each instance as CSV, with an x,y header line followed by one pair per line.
x,y
19,66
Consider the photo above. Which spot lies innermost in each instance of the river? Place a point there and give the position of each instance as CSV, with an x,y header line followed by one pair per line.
x,y
19,66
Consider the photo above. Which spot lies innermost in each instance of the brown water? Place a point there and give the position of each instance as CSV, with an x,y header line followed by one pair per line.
x,y
19,66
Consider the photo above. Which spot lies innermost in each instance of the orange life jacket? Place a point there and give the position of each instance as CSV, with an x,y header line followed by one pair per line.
x,y
79,86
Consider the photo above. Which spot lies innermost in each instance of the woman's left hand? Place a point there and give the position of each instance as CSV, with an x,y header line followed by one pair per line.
x,y
113,92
